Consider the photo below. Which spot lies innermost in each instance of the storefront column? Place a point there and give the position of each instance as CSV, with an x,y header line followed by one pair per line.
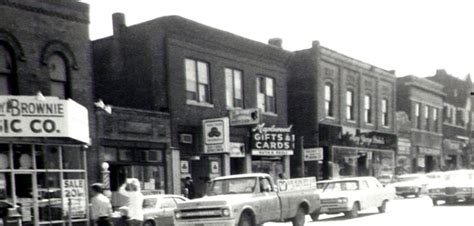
x,y
248,163
174,167
225,164
286,165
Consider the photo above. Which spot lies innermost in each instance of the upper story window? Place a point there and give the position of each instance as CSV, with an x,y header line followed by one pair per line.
x,y
266,94
368,109
350,105
427,118
329,100
58,75
197,81
6,72
233,84
435,120
461,119
418,115
384,112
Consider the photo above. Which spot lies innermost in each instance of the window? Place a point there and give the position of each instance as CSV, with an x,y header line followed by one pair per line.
x,y
58,75
435,120
266,94
427,118
233,83
197,81
384,112
328,100
350,105
6,72
368,109
418,115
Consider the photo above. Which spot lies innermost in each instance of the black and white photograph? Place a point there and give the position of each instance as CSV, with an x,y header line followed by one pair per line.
x,y
236,113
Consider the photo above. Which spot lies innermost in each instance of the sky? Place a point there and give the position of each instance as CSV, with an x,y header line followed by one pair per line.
x,y
412,37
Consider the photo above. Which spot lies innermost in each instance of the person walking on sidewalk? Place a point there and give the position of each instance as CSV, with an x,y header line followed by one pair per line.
x,y
101,208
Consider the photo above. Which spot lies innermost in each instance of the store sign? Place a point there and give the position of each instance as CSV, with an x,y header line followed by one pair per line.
x,y
216,135
74,192
215,167
429,151
26,116
272,141
237,150
184,166
313,154
240,117
297,184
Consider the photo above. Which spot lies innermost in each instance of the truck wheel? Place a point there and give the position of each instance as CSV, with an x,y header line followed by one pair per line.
x,y
435,202
354,212
149,223
383,207
315,216
246,220
298,220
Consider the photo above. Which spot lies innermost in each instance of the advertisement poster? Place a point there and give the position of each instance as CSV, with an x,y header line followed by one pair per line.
x,y
216,135
74,192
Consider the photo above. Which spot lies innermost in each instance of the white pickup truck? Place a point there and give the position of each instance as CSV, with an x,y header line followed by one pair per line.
x,y
249,200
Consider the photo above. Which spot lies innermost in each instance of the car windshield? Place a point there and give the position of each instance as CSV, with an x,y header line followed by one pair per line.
x,y
342,186
232,186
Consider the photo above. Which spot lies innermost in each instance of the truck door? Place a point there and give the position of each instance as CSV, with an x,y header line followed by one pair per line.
x,y
270,203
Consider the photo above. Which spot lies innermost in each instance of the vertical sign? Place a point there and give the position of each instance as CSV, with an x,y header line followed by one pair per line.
x,y
216,135
74,192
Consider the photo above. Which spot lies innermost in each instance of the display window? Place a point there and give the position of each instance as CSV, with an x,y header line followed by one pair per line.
x,y
352,162
48,182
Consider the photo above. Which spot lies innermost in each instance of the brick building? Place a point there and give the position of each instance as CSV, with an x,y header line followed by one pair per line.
x,y
422,101
47,109
195,72
456,119
345,106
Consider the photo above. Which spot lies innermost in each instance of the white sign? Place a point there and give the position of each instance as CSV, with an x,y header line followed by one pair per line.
x,y
74,191
313,154
214,167
272,152
297,184
237,150
184,166
216,135
240,117
26,116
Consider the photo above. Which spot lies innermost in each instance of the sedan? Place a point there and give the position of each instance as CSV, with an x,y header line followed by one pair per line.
x,y
159,209
410,184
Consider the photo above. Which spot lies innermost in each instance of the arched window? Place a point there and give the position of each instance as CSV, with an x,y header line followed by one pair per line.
x,y
58,74
6,71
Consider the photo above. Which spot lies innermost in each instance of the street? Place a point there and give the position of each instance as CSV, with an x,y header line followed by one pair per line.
x,y
402,212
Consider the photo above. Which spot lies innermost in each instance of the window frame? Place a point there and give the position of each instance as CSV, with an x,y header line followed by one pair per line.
x,y
368,109
385,112
63,82
234,90
329,100
350,105
427,117
198,84
418,115
8,74
269,101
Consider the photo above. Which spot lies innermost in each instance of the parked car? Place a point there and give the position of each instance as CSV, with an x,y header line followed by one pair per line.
x,y
350,195
385,179
159,209
410,184
251,199
455,186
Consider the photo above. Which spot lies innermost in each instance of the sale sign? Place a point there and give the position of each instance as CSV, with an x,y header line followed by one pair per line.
x,y
74,196
28,116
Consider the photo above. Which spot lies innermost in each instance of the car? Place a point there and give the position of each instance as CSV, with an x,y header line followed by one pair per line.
x,y
410,184
350,195
385,179
159,209
455,186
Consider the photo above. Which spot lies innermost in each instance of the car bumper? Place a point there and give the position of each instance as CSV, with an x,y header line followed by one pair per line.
x,y
451,196
205,222
334,209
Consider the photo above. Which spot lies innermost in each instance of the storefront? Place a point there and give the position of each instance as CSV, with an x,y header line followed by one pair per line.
x,y
350,152
403,157
428,159
43,143
136,144
452,153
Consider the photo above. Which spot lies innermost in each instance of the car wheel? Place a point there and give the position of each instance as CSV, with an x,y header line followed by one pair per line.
x,y
354,212
315,216
148,223
298,220
246,220
382,208
435,202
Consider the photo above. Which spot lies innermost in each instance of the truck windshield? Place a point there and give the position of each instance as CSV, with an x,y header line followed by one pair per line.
x,y
232,186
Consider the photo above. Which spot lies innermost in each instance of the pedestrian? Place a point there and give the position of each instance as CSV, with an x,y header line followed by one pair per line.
x,y
189,188
101,208
135,196
124,218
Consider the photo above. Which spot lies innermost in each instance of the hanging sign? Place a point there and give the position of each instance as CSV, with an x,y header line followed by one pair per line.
x,y
241,117
272,141
237,150
216,135
313,154
74,192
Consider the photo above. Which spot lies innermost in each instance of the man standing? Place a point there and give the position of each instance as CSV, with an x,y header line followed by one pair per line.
x,y
189,188
101,208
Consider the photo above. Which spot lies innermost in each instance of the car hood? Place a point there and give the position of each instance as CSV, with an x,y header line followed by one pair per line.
x,y
215,201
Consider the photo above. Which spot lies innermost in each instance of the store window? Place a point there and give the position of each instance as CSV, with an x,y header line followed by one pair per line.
x,y
233,84
350,162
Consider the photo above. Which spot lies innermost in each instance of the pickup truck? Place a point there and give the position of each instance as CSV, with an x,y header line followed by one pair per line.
x,y
249,200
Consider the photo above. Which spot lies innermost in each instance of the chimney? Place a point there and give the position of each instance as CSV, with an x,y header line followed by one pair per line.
x,y
118,21
441,72
275,42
